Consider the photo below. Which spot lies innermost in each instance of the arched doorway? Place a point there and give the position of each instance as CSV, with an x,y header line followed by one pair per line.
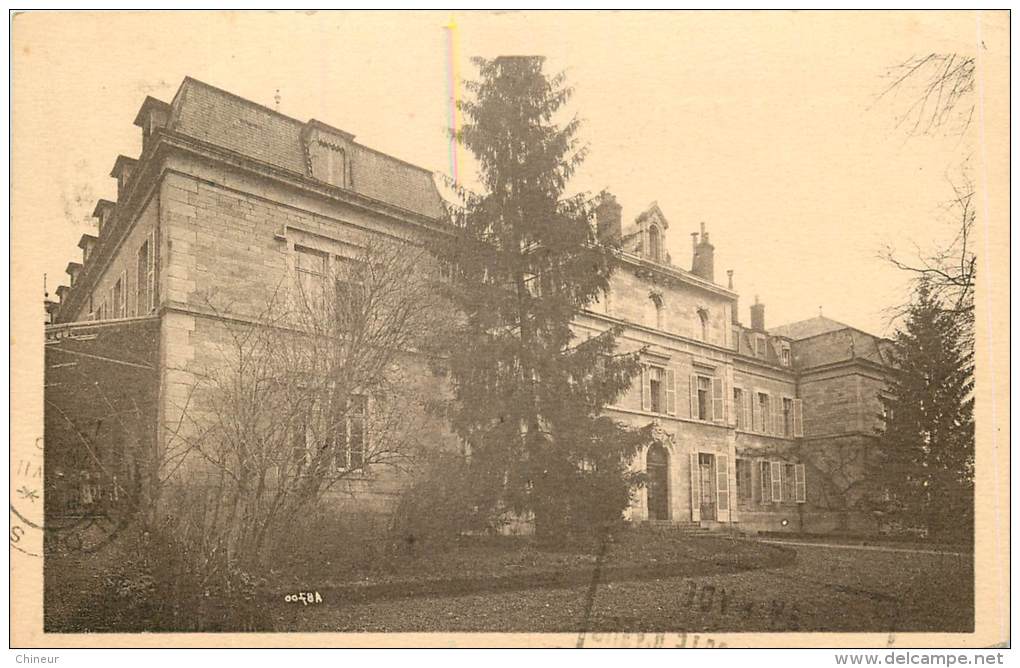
x,y
657,467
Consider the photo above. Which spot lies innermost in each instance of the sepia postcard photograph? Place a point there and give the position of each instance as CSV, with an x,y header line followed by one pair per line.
x,y
474,328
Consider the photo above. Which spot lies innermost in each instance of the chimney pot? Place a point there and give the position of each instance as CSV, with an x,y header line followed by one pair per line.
x,y
703,264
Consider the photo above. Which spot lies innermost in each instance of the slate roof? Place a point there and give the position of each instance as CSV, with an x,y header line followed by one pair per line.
x,y
807,328
223,119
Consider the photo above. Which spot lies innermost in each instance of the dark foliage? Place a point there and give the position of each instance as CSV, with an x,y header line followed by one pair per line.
x,y
526,261
926,453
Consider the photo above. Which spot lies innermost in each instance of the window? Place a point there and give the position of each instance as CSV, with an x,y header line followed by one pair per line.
x,y
763,413
352,441
654,243
118,298
655,386
145,273
656,299
707,399
92,313
744,493
703,319
787,417
760,348
738,404
789,481
704,397
311,267
786,354
765,484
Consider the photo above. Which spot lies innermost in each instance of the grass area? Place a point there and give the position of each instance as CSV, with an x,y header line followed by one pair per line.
x,y
823,589
492,564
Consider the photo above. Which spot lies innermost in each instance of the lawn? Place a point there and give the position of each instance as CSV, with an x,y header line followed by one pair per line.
x,y
822,589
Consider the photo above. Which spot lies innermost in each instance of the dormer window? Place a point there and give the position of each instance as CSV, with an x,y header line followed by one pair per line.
x,y
654,243
785,355
759,346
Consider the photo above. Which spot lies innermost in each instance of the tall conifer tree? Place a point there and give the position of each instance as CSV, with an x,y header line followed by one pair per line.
x,y
526,261
926,453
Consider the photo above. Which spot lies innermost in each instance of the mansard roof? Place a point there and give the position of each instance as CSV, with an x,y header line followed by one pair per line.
x,y
225,120
803,329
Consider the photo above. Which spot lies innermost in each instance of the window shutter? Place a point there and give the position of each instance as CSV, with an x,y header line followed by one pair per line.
x,y
722,487
671,391
694,398
801,485
764,486
748,425
798,417
646,389
695,489
717,400
777,481
755,412
735,410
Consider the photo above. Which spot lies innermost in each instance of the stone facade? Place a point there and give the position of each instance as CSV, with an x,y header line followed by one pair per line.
x,y
226,191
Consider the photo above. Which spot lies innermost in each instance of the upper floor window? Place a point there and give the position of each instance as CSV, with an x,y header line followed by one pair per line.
x,y
763,413
787,417
760,348
703,321
655,388
654,243
738,404
707,398
658,393
656,299
311,266
786,354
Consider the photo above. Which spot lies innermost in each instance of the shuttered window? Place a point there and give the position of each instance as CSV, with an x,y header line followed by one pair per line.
x,y
777,481
765,482
738,409
798,418
801,484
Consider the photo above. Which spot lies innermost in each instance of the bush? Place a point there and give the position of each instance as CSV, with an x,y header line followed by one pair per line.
x,y
442,503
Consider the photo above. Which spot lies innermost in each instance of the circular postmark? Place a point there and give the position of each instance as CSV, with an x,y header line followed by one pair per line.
x,y
26,514
100,510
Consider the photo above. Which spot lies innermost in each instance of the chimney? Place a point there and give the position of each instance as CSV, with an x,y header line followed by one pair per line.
x,y
735,306
609,220
704,256
757,315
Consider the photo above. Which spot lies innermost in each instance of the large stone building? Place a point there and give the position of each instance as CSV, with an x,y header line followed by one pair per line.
x,y
758,428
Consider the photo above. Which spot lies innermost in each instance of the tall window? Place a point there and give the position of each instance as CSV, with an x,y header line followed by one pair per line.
x,y
786,355
787,417
760,349
352,438
654,243
655,386
118,298
703,320
704,398
744,494
789,482
143,272
738,404
311,266
764,412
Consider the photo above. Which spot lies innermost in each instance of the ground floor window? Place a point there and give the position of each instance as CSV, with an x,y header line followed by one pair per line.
x,y
744,492
780,482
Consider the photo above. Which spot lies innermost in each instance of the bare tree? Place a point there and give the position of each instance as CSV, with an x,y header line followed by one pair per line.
x,y
314,392
937,91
